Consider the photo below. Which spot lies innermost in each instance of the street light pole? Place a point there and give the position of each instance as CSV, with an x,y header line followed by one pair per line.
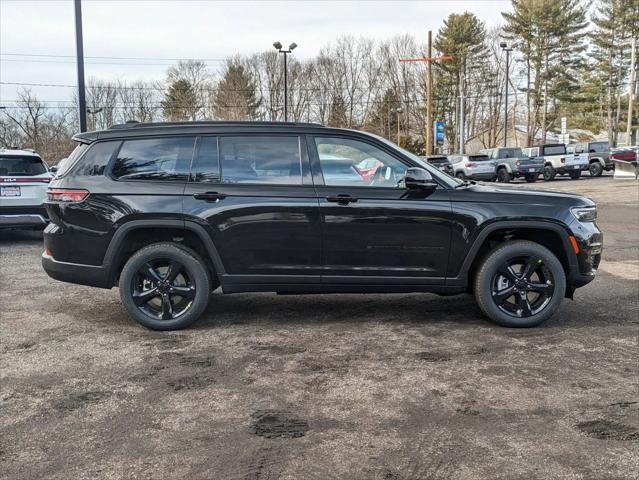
x,y
80,62
399,110
504,46
291,47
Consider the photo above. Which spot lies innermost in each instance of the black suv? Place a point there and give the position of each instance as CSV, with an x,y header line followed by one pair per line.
x,y
170,211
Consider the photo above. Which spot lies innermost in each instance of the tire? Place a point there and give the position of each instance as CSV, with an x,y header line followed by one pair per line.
x,y
503,176
532,178
595,169
547,282
137,283
549,173
460,175
576,175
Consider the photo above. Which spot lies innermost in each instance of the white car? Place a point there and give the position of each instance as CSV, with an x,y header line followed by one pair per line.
x,y
24,178
557,160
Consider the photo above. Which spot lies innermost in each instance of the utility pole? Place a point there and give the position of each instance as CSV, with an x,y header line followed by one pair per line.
x,y
399,110
462,107
80,62
631,91
429,89
429,98
504,46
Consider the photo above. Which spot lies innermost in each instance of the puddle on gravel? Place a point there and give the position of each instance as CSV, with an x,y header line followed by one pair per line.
x,y
277,424
608,430
79,400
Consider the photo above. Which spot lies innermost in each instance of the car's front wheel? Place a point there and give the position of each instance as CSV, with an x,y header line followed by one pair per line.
x,y
165,286
520,284
549,173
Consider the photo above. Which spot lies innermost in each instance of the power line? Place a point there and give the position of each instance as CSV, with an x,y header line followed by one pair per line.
x,y
176,59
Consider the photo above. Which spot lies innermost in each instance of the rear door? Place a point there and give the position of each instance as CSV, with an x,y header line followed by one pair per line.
x,y
255,196
375,232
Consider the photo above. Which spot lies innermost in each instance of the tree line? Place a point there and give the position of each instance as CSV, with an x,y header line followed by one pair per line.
x,y
569,59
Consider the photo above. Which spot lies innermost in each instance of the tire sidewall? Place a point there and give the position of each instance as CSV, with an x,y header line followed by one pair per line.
x,y
489,267
549,173
595,169
196,270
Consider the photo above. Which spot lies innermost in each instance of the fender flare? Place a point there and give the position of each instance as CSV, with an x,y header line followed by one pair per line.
x,y
121,232
462,276
504,165
597,159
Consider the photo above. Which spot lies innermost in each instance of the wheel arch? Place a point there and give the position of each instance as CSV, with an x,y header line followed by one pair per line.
x,y
553,236
135,234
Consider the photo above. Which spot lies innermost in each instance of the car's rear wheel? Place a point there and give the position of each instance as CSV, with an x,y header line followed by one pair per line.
x,y
532,178
165,286
460,175
503,176
575,175
595,169
520,284
549,173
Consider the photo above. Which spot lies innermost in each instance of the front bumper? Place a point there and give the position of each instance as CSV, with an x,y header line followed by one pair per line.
x,y
590,244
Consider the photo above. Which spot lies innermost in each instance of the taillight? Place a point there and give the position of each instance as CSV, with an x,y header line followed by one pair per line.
x,y
517,162
563,159
66,195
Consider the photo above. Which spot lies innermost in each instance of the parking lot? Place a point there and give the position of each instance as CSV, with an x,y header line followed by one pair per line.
x,y
328,387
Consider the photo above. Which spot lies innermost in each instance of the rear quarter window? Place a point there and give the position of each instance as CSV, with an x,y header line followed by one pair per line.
x,y
162,158
96,159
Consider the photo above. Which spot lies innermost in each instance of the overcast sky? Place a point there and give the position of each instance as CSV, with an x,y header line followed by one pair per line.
x,y
211,30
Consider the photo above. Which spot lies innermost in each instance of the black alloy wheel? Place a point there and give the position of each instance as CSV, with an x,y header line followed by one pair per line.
x,y
595,169
163,289
503,176
522,286
165,286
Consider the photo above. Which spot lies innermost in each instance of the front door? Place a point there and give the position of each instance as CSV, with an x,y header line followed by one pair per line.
x,y
255,195
374,230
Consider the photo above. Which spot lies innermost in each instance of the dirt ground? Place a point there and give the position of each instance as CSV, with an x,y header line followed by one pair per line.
x,y
389,387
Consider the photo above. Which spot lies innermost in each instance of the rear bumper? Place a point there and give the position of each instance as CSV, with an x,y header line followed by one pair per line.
x,y
23,217
91,275
482,176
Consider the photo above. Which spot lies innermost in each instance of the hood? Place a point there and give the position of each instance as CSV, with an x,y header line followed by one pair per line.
x,y
506,194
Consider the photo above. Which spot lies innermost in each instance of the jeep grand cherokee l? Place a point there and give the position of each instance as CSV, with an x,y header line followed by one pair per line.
x,y
168,212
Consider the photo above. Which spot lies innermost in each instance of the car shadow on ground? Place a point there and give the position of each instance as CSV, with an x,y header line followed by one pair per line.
x,y
21,236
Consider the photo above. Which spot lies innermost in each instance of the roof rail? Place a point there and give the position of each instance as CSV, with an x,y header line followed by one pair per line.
x,y
217,123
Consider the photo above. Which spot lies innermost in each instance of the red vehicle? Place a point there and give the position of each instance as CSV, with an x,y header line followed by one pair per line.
x,y
626,154
368,167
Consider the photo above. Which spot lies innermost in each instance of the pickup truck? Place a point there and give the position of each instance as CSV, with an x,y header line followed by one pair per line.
x,y
557,161
511,163
596,155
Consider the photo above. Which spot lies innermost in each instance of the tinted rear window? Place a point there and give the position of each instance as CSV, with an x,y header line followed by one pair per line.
x,y
437,160
261,159
96,159
599,147
510,153
554,149
65,164
478,158
166,158
21,166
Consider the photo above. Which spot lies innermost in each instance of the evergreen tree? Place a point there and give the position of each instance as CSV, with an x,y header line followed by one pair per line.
x,y
235,98
180,101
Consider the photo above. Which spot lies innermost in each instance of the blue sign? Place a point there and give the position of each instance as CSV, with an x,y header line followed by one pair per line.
x,y
439,132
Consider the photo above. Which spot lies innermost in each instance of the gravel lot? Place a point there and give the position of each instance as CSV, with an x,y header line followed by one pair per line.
x,y
323,387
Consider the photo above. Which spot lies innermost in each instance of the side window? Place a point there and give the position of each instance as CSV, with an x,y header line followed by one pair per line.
x,y
166,158
96,159
206,164
354,163
261,159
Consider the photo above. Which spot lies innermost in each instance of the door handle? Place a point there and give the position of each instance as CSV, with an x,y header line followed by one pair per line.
x,y
342,199
209,196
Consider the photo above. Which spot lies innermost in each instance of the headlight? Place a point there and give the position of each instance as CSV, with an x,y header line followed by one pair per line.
x,y
585,214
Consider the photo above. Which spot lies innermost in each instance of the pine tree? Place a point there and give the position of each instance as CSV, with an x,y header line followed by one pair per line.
x,y
235,98
180,101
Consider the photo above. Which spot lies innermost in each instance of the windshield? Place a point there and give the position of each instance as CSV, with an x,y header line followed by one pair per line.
x,y
510,153
437,160
22,165
554,149
599,147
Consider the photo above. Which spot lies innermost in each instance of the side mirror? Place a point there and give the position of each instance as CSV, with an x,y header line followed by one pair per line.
x,y
53,169
419,179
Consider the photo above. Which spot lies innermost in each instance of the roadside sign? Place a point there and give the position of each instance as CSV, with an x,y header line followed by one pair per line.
x,y
564,126
439,132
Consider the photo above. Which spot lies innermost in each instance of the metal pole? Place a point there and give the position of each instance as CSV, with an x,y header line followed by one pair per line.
x,y
506,100
80,61
462,107
398,130
285,90
631,91
429,98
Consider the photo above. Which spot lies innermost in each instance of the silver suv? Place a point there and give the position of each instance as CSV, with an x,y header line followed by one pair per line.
x,y
24,178
473,167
